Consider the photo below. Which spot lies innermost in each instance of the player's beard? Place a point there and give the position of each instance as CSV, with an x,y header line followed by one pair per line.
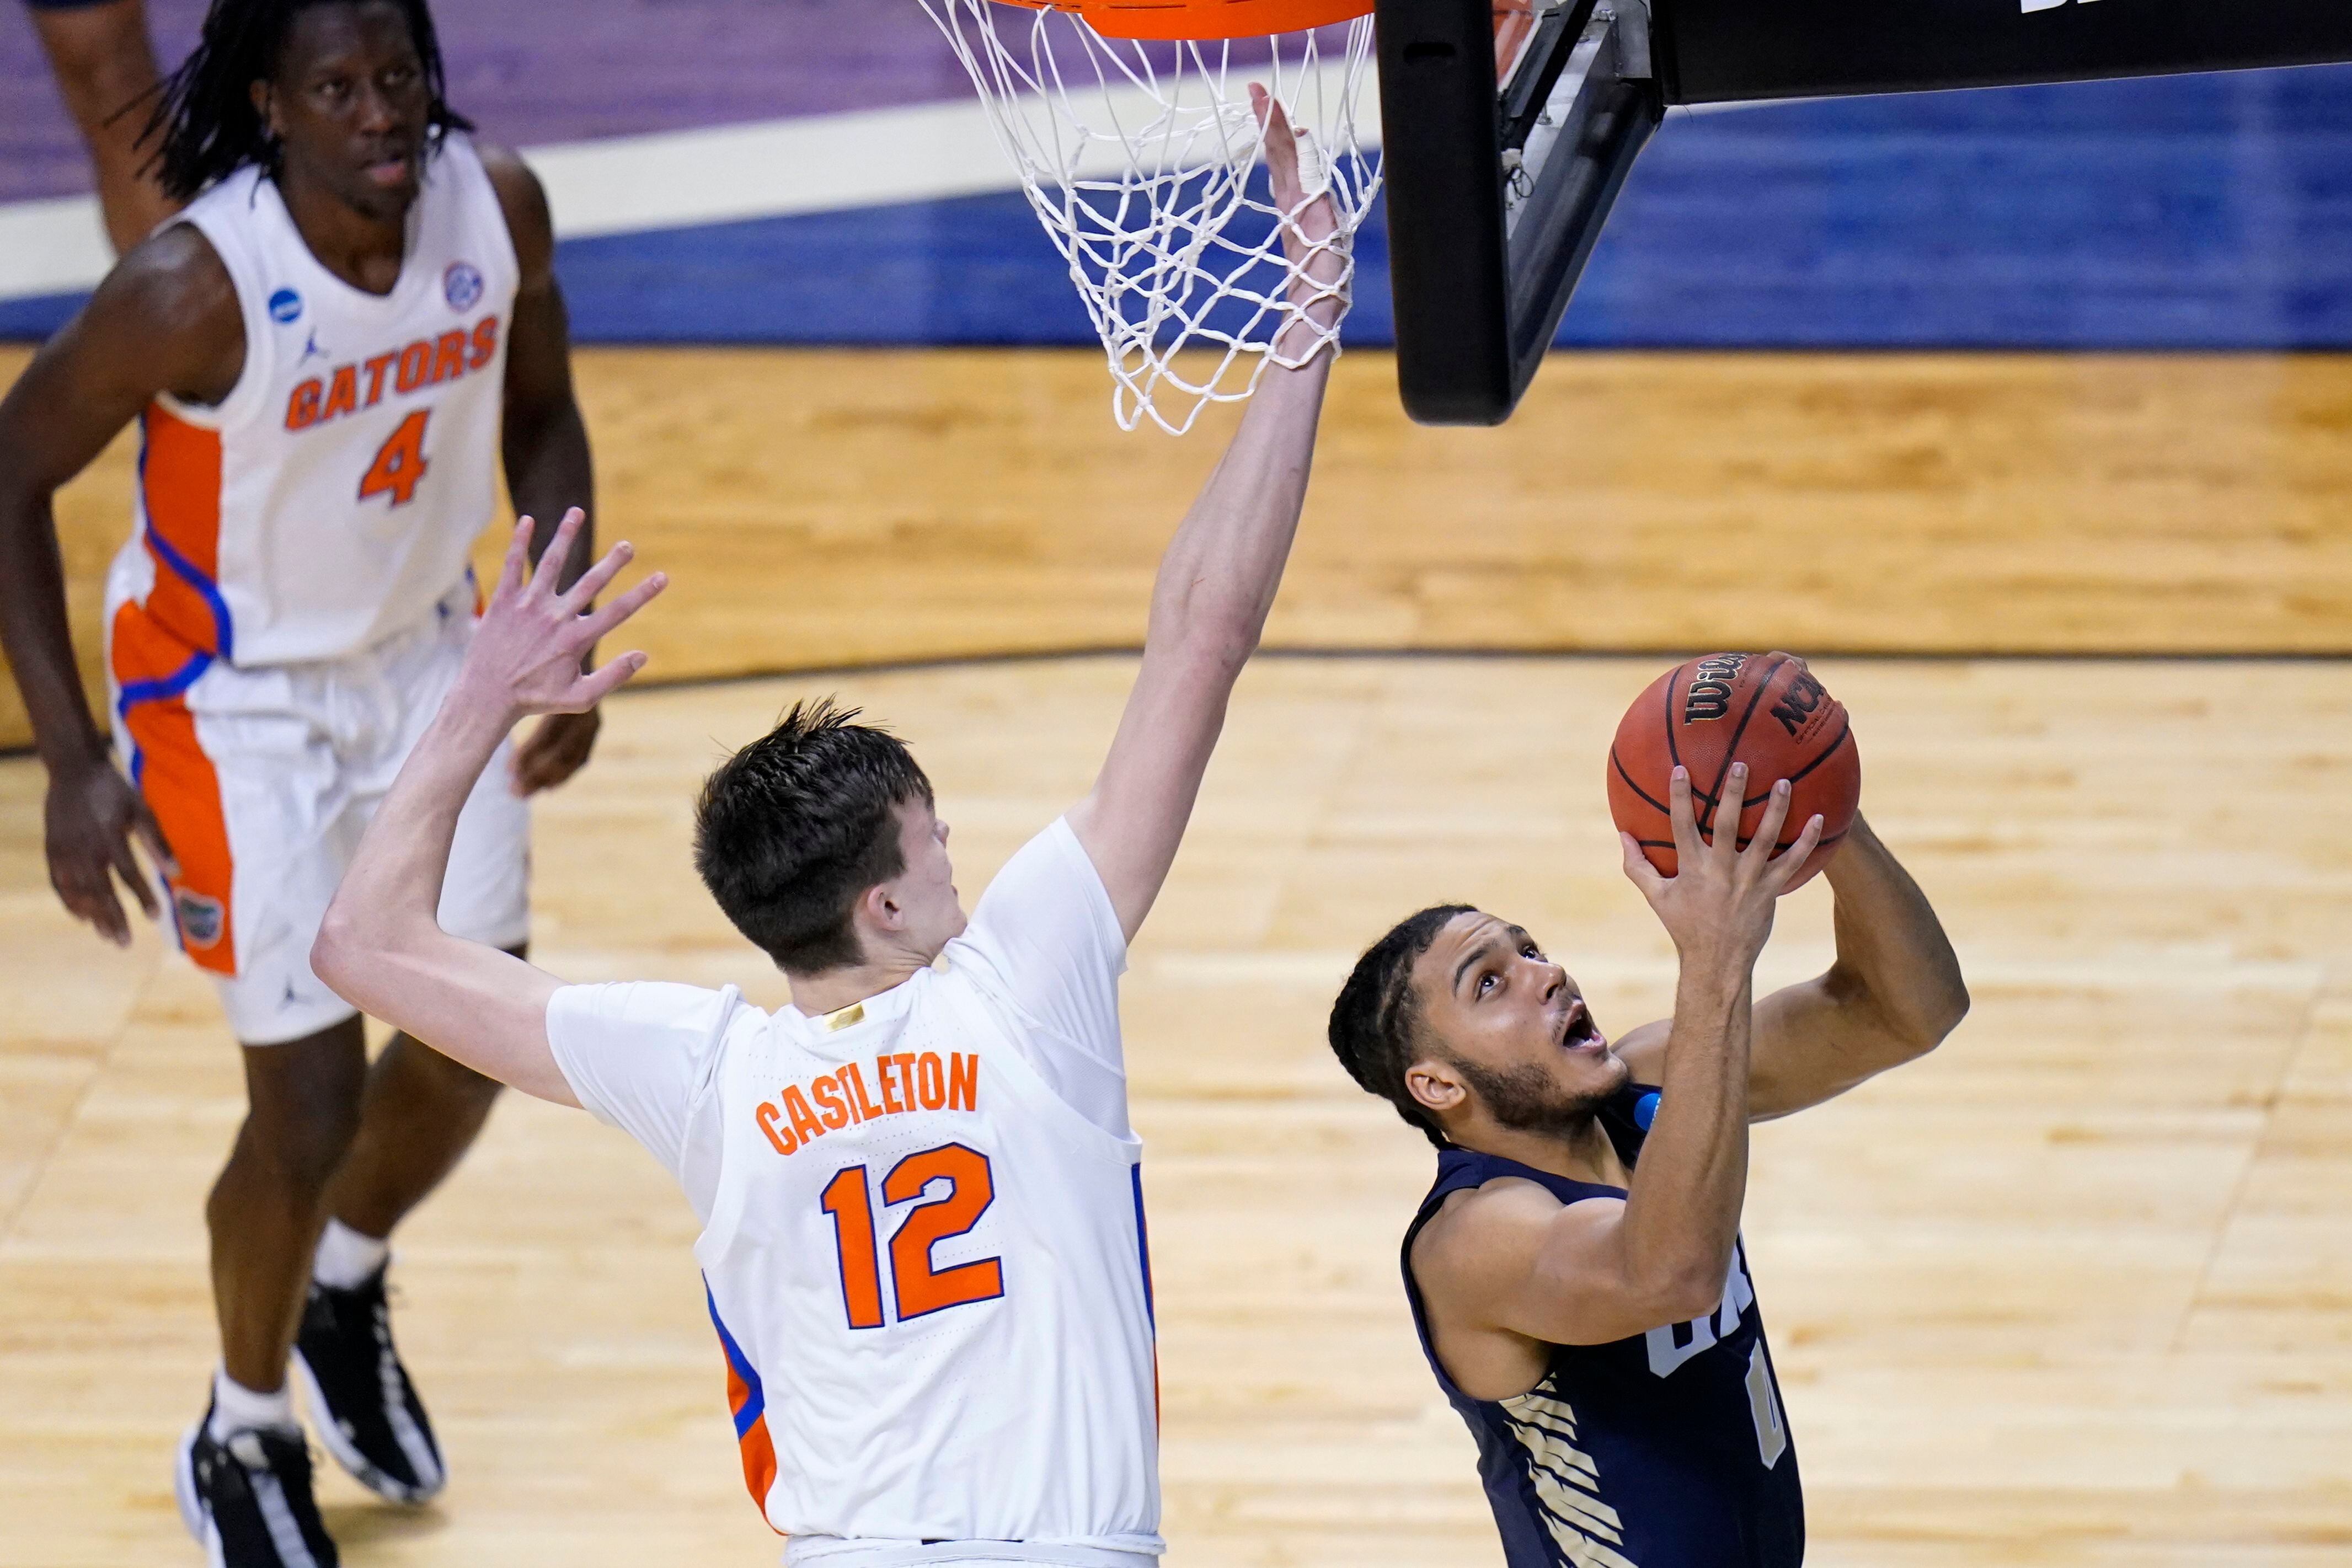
x,y
1527,1098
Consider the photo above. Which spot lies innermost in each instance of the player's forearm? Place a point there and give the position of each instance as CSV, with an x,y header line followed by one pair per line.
x,y
104,64
1218,580
38,634
1894,965
1682,1209
390,898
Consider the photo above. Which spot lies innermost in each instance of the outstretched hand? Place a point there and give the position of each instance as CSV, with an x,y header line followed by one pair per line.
x,y
527,650
1310,218
1718,906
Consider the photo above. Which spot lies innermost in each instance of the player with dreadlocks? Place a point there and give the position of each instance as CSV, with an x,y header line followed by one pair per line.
x,y
354,320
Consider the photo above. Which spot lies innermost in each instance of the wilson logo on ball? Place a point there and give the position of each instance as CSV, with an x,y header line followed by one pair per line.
x,y
1709,697
1780,722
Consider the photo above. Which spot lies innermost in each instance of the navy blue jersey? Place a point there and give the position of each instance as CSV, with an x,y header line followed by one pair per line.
x,y
1665,1450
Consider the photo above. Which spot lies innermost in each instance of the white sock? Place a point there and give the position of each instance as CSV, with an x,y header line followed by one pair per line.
x,y
345,1257
237,1408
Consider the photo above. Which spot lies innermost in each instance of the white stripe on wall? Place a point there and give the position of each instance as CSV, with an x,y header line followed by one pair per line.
x,y
51,247
675,179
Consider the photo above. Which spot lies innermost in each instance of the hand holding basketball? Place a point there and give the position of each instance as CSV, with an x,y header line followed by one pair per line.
x,y
1718,906
1766,711
526,653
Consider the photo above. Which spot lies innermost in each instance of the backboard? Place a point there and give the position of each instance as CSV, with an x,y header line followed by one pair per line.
x,y
1522,127
1509,126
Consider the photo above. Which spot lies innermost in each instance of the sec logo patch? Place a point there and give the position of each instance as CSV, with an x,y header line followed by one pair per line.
x,y
461,286
285,306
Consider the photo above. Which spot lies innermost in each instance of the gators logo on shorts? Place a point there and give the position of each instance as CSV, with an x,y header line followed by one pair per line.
x,y
200,917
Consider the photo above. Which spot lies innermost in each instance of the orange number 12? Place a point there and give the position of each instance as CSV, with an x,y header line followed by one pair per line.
x,y
399,466
916,1288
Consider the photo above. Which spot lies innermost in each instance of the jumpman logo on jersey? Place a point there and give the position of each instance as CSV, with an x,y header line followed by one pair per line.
x,y
311,350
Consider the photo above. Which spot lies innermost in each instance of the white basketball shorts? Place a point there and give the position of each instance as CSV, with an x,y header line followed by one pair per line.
x,y
263,780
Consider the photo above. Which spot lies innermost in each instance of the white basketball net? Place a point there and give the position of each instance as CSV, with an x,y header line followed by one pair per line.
x,y
1137,157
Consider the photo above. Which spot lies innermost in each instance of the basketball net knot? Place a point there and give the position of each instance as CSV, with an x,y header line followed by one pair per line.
x,y
1143,159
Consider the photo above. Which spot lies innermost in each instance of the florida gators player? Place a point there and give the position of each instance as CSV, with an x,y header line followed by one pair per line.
x,y
352,323
923,1232
1576,1272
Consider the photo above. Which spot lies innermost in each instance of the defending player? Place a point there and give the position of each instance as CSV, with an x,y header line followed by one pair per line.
x,y
105,66
328,354
1576,1272
922,1222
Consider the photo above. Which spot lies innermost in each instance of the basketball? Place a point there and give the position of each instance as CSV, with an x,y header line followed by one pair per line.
x,y
1764,709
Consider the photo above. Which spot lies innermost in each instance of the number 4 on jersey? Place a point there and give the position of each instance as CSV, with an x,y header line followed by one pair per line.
x,y
916,1286
399,466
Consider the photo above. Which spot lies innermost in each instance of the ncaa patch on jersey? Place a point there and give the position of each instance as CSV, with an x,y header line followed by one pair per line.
x,y
285,306
461,286
200,918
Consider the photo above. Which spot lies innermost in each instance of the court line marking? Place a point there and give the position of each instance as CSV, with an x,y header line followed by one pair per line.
x,y
2281,1093
37,1170
1135,650
1311,653
680,179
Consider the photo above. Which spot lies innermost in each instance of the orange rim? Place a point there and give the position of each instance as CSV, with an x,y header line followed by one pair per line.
x,y
1198,21
1515,24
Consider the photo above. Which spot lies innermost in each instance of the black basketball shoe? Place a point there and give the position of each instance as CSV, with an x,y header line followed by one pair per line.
x,y
362,1403
247,1500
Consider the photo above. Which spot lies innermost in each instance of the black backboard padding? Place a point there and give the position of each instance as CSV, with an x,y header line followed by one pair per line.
x,y
1734,51
1445,195
1475,309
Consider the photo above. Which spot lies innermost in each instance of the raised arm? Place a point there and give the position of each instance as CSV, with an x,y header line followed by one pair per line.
x,y
1216,583
1510,1263
166,319
105,67
382,948
1891,996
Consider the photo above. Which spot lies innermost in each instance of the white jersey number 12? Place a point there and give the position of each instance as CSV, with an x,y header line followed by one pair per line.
x,y
916,1287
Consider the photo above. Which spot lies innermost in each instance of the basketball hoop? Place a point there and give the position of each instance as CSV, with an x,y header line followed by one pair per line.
x,y
1130,124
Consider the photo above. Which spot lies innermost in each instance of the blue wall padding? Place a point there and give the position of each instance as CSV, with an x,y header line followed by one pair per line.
x,y
2185,212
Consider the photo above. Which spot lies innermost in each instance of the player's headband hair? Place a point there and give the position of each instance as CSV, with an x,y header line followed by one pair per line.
x,y
1372,1019
204,126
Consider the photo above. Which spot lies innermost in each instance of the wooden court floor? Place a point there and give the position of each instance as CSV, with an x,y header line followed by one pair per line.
x,y
830,506
2076,1289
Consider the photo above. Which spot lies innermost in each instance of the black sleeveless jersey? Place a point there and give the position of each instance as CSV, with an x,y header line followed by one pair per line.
x,y
1665,1450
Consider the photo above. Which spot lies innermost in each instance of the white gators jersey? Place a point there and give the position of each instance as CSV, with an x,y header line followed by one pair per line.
x,y
926,1264
331,500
